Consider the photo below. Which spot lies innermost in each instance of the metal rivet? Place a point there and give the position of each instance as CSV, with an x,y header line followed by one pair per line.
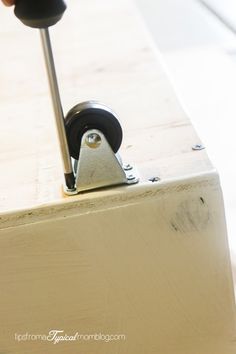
x,y
93,140
198,147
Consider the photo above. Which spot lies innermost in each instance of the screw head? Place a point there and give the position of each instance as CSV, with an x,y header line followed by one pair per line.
x,y
127,167
154,179
130,177
198,147
93,140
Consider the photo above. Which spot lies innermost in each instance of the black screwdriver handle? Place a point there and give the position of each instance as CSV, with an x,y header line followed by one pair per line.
x,y
40,13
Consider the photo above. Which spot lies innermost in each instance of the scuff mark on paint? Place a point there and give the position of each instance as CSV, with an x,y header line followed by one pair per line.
x,y
191,215
202,200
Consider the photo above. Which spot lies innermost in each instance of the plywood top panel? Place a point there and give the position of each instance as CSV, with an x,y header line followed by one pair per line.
x,y
102,51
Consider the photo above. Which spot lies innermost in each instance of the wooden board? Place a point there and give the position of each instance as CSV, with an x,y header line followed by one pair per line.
x,y
149,261
151,264
94,62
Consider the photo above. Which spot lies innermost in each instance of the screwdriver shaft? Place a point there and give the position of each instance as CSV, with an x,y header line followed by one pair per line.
x,y
59,116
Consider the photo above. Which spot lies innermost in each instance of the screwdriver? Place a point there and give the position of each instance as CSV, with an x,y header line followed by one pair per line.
x,y
43,14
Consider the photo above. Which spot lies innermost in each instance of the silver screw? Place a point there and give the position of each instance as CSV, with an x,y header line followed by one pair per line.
x,y
198,147
127,167
93,140
130,177
154,179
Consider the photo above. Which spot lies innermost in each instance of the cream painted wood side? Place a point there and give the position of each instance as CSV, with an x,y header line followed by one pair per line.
x,y
152,264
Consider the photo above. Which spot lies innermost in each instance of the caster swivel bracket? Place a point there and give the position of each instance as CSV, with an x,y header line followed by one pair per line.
x,y
98,166
94,137
91,134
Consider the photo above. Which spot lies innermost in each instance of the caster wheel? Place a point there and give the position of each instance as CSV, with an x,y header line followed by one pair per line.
x,y
91,115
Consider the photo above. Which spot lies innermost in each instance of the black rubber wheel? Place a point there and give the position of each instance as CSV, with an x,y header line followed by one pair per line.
x,y
92,115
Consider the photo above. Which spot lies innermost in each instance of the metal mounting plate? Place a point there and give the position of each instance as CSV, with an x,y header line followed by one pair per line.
x,y
98,166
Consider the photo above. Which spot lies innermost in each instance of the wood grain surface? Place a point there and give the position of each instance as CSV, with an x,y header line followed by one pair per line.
x,y
149,261
102,51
